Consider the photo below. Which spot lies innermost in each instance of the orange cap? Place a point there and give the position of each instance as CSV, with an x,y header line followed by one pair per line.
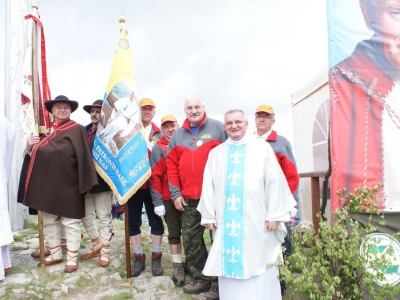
x,y
146,101
168,118
265,108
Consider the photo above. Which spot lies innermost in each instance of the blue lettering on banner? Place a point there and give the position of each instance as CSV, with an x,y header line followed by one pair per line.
x,y
124,170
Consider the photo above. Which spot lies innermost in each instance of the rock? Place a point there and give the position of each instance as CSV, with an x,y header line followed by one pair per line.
x,y
145,296
64,288
110,292
30,293
18,278
56,268
105,280
80,297
33,246
18,291
26,252
97,271
71,280
116,277
56,294
35,274
33,241
18,246
115,263
125,285
165,281
2,291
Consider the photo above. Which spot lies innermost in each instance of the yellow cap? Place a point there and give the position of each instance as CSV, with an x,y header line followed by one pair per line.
x,y
168,118
146,101
265,108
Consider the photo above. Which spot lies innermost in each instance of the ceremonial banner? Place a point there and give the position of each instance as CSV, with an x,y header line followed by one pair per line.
x,y
120,150
364,76
35,54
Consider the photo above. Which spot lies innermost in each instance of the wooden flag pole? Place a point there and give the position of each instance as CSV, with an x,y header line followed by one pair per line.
x,y
35,82
127,244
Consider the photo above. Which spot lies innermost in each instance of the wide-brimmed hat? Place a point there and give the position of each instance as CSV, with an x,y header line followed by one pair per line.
x,y
49,103
265,108
168,118
146,101
97,103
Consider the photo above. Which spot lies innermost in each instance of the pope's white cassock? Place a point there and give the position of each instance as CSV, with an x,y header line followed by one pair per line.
x,y
7,139
243,186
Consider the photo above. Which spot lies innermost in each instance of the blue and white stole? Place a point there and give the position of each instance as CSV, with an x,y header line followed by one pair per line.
x,y
233,221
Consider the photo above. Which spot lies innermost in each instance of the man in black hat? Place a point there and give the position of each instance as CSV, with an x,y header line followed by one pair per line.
x,y
99,199
57,172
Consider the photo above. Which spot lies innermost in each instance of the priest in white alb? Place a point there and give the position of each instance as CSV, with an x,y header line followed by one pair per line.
x,y
246,200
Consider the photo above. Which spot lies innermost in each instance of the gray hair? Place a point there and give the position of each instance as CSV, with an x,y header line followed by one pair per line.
x,y
195,97
236,110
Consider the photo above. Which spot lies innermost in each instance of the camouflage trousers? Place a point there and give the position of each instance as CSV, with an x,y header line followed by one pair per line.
x,y
193,242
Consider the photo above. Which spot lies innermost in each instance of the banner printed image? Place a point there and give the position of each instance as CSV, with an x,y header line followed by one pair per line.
x,y
121,121
119,150
365,93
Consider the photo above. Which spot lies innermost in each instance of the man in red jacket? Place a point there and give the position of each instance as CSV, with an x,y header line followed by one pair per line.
x,y
188,153
162,196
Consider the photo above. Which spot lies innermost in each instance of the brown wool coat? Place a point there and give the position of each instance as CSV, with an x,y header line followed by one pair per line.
x,y
56,177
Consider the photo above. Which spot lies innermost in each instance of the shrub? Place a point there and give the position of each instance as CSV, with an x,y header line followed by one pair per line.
x,y
329,263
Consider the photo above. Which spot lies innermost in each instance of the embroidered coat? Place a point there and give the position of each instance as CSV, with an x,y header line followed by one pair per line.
x,y
58,174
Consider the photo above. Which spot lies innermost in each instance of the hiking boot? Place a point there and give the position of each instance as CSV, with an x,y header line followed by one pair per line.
x,y
179,274
213,293
196,287
138,265
156,267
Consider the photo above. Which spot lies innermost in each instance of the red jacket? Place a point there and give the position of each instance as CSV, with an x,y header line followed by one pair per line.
x,y
154,137
285,157
188,154
159,180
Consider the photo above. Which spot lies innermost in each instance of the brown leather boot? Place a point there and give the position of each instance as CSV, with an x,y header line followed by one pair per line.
x,y
104,259
54,257
36,254
96,248
72,263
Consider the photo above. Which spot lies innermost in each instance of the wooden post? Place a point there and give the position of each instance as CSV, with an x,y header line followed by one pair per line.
x,y
127,244
315,201
35,85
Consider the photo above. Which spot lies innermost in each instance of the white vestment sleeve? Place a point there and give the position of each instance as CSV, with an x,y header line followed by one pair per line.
x,y
207,204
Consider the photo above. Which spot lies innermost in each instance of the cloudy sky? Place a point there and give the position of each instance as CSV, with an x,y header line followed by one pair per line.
x,y
235,54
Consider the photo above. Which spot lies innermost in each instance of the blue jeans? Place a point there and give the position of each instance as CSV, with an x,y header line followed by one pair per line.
x,y
287,242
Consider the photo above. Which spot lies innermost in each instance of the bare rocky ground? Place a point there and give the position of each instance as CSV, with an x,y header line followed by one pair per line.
x,y
28,281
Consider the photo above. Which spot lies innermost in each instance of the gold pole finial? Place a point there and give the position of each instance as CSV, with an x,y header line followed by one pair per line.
x,y
34,5
122,21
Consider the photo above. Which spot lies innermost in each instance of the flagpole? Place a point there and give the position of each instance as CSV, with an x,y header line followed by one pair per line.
x,y
127,244
122,21
35,82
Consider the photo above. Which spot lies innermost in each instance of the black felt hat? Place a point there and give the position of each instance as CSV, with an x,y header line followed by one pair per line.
x,y
49,103
97,103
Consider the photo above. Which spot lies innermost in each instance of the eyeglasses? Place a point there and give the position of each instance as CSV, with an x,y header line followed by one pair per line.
x,y
236,122
264,117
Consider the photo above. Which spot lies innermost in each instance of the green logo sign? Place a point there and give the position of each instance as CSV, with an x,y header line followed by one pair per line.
x,y
382,246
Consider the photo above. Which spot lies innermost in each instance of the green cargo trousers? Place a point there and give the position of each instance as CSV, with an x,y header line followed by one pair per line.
x,y
193,242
